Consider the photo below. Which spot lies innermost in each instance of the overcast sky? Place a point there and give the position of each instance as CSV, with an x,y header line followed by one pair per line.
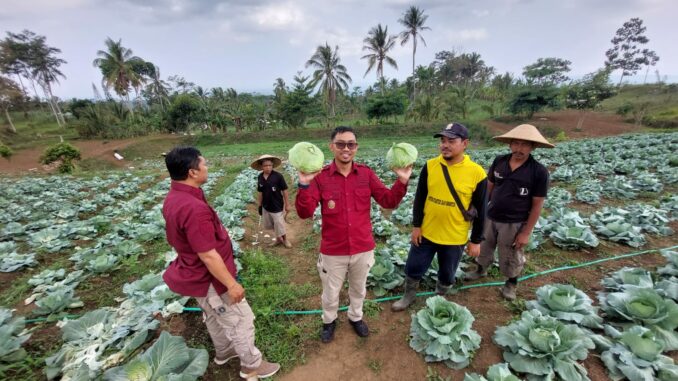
x,y
248,44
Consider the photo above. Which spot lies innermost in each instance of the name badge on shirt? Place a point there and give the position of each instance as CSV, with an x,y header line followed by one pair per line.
x,y
331,204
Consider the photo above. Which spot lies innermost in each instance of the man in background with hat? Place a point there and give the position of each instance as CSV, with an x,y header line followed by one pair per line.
x,y
517,186
441,218
272,198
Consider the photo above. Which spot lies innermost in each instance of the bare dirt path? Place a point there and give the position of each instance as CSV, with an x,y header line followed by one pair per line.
x,y
596,124
28,160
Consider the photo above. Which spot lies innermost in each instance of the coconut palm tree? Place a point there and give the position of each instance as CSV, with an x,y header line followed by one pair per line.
x,y
413,20
379,43
330,75
45,69
117,67
158,88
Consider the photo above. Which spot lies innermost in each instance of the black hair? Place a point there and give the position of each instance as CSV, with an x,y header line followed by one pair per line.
x,y
341,130
180,159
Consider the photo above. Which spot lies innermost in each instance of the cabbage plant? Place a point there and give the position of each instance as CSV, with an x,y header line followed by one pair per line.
x,y
306,157
12,336
442,332
636,356
628,277
383,276
646,307
544,347
400,155
566,303
497,372
169,358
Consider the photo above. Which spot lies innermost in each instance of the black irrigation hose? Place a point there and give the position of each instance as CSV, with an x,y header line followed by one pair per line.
x,y
389,298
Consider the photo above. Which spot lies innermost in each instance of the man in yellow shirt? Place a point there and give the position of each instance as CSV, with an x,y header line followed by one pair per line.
x,y
442,219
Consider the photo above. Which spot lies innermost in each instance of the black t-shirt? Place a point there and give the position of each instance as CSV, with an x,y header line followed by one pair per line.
x,y
271,191
511,198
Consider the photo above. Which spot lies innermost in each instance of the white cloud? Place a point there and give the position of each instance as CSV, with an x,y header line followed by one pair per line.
x,y
465,35
279,17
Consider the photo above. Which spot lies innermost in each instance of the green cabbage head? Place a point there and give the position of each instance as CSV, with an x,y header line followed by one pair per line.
x,y
636,356
544,347
442,331
646,307
306,157
400,155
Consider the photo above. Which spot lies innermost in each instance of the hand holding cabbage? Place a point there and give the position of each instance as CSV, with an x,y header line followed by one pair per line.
x,y
400,158
306,158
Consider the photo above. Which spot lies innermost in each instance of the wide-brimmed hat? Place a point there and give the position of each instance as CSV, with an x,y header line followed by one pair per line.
x,y
526,132
257,163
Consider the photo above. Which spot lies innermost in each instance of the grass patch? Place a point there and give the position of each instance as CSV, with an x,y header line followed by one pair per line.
x,y
266,280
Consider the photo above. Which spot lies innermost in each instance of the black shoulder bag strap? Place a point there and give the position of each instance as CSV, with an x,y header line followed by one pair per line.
x,y
470,214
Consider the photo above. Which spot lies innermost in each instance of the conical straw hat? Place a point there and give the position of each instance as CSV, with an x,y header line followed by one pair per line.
x,y
257,163
525,132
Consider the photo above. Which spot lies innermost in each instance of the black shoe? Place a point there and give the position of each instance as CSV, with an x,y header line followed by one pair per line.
x,y
327,333
360,328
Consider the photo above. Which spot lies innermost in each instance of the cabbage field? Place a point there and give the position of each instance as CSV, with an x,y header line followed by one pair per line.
x,y
81,262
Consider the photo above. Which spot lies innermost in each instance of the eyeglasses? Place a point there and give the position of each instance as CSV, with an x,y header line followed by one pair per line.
x,y
349,145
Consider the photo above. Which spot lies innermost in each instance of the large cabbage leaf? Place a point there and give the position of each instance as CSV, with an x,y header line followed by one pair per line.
x,y
168,358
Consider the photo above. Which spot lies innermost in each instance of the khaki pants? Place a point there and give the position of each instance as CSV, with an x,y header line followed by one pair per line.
x,y
333,270
231,327
501,236
274,221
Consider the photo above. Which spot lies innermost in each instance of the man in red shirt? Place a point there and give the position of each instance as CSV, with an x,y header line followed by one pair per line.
x,y
344,189
204,267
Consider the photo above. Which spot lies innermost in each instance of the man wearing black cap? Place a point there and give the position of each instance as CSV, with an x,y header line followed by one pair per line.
x,y
450,193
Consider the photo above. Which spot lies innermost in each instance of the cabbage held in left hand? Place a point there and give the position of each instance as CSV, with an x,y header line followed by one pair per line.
x,y
401,155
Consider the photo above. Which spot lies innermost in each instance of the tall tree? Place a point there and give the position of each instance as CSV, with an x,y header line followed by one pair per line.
x,y
330,76
626,53
547,71
298,103
10,95
117,65
379,43
158,89
587,93
45,69
413,20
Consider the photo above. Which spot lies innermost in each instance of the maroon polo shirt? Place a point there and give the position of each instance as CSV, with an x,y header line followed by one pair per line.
x,y
345,207
193,227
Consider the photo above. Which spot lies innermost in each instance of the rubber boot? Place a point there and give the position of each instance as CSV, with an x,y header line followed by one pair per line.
x,y
409,296
441,289
479,273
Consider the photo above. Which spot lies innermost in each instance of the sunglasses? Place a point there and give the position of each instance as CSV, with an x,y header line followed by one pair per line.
x,y
342,145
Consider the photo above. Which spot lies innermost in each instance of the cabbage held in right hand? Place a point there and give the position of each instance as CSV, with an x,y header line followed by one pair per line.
x,y
401,155
306,157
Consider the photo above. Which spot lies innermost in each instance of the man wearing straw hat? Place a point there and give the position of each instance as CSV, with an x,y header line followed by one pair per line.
x,y
272,197
517,186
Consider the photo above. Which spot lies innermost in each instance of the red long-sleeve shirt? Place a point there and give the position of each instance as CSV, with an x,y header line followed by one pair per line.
x,y
345,207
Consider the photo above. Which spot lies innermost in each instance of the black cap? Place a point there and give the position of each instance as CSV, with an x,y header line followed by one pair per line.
x,y
453,131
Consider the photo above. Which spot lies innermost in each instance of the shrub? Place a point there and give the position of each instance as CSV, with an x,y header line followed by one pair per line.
x,y
5,151
64,152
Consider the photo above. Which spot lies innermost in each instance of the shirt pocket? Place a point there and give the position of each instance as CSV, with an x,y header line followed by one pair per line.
x,y
362,199
331,202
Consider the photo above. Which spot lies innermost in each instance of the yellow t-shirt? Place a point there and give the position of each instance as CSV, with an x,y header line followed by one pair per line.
x,y
443,222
